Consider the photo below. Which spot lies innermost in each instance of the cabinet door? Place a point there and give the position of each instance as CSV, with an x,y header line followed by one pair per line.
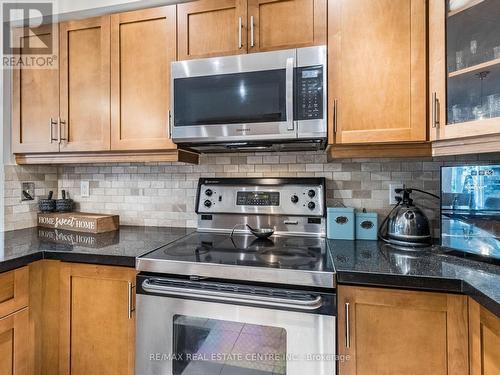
x,y
35,102
14,287
401,332
14,344
377,71
282,24
464,74
484,340
211,28
143,45
84,84
97,332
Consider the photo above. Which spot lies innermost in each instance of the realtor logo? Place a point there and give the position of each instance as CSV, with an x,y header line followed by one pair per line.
x,y
29,35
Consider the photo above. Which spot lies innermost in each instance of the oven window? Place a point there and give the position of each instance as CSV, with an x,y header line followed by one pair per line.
x,y
231,98
210,346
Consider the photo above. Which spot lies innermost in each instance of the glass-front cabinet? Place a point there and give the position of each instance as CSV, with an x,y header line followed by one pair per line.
x,y
464,68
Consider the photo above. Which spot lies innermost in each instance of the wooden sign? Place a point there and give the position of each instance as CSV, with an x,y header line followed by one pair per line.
x,y
72,238
79,221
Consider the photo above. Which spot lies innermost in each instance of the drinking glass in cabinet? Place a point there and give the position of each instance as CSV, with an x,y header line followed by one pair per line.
x,y
496,52
473,60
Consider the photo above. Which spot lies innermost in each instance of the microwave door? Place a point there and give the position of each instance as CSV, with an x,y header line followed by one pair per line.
x,y
245,104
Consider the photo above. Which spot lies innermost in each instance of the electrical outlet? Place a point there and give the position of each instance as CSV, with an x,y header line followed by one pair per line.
x,y
393,194
84,189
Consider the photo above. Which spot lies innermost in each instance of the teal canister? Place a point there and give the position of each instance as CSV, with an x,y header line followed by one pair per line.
x,y
366,225
340,223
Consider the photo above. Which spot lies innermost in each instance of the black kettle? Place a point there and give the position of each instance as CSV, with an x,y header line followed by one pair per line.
x,y
407,224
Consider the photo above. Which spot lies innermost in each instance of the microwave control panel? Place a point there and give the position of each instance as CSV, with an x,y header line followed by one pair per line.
x,y
309,93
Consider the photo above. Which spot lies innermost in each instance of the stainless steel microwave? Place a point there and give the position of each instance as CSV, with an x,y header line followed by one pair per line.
x,y
259,101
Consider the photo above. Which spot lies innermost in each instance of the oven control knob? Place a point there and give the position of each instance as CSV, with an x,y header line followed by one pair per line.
x,y
208,192
311,205
294,199
311,193
208,203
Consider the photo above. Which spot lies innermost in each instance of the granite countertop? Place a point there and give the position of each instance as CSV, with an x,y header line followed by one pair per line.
x,y
375,263
369,263
119,248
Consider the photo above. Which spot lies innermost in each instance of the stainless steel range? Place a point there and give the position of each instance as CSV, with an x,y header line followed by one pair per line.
x,y
222,301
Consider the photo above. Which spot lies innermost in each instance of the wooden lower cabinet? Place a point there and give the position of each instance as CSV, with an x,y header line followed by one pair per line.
x,y
97,321
13,291
484,341
14,344
388,331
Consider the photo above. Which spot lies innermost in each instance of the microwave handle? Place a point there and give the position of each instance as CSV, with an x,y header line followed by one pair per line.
x,y
289,93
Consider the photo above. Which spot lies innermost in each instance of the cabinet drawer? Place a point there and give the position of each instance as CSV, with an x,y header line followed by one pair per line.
x,y
13,291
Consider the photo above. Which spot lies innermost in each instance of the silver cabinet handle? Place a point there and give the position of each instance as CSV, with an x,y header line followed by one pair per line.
x,y
169,124
240,27
214,295
335,115
59,136
347,327
252,42
51,130
131,307
289,93
435,111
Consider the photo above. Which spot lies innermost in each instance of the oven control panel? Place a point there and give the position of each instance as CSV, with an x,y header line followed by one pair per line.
x,y
293,197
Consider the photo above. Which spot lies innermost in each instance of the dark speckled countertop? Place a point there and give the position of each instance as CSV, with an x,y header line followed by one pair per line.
x,y
369,263
373,263
119,248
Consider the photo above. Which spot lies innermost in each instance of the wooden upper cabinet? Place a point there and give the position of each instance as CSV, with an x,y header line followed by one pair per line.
x,y
97,322
35,102
484,339
282,24
388,331
208,28
85,84
377,71
143,45
14,344
464,71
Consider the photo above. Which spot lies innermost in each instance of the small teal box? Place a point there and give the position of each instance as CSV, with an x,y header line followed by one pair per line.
x,y
366,225
340,223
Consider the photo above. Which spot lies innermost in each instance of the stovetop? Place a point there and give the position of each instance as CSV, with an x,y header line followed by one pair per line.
x,y
295,260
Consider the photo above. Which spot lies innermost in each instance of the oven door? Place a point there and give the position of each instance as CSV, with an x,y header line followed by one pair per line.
x,y
204,328
234,98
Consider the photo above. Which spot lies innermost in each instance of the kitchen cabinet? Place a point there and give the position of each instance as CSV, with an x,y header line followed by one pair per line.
x,y
109,99
97,320
14,347
35,101
14,287
14,323
231,27
464,58
484,332
207,28
282,24
140,78
377,72
84,84
401,332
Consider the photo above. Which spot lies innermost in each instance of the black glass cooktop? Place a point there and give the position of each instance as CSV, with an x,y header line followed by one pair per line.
x,y
282,252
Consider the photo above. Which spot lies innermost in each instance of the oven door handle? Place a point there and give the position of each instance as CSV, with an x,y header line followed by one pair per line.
x,y
213,295
290,64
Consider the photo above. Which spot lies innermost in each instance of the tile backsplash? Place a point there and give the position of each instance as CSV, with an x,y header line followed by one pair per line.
x,y
22,214
163,194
